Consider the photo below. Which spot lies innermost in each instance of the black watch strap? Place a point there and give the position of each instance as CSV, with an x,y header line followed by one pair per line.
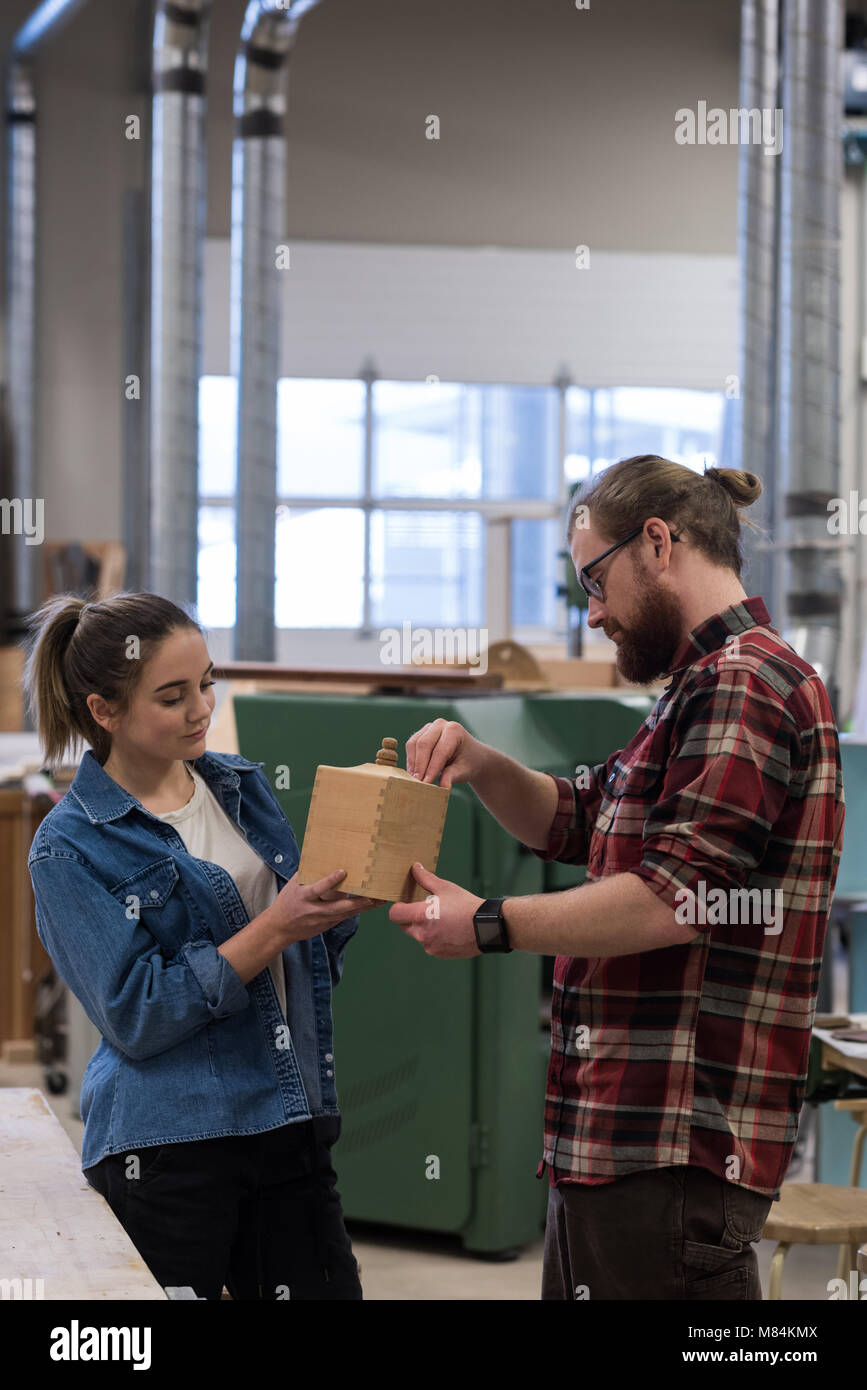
x,y
490,928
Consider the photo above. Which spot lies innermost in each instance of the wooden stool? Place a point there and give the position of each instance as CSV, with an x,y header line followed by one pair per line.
x,y
816,1213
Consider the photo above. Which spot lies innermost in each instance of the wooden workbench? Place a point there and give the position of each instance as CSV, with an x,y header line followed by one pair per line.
x,y
832,1060
54,1227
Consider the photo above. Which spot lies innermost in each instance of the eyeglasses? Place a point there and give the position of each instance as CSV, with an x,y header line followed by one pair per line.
x,y
592,587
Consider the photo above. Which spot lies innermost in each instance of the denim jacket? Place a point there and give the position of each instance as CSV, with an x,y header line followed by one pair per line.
x,y
132,922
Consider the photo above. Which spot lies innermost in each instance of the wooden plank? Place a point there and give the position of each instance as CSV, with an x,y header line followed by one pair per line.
x,y
53,1226
395,677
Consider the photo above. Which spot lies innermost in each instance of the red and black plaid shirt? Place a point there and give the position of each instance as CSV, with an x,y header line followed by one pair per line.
x,y
697,1053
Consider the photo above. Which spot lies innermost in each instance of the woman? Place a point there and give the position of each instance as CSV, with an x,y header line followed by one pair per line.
x,y
167,896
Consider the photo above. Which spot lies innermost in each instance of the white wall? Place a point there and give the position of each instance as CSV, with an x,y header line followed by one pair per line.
x,y
495,315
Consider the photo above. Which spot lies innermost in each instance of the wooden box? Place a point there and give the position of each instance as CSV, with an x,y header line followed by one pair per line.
x,y
374,821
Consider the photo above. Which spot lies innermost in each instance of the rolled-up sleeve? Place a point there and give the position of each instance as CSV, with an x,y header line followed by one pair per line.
x,y
577,808
141,1001
725,787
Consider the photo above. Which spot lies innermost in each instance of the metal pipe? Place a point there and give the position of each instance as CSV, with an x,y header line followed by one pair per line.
x,y
755,441
178,200
47,16
809,419
19,368
859,578
258,230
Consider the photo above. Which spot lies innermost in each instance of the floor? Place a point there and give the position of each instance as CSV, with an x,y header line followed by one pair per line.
x,y
410,1265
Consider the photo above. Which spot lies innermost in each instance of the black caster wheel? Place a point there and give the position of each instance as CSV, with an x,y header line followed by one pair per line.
x,y
57,1082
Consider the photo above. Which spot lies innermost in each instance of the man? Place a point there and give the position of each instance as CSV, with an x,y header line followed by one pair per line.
x,y
688,963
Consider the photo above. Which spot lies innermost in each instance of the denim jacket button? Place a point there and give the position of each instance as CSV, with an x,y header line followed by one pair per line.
x,y
278,859
154,893
329,1072
329,1056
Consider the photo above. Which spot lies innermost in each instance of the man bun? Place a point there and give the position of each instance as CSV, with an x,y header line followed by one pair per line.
x,y
743,488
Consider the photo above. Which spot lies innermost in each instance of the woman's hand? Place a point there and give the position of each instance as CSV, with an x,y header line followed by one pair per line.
x,y
444,750
304,910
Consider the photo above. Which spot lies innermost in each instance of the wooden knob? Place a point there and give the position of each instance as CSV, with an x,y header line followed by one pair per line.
x,y
387,754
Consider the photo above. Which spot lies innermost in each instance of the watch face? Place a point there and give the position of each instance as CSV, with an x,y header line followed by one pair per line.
x,y
490,929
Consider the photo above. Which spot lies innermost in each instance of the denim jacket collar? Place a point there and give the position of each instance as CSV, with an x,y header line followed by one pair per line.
x,y
102,799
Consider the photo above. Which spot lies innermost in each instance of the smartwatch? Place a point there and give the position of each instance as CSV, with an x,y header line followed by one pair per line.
x,y
490,928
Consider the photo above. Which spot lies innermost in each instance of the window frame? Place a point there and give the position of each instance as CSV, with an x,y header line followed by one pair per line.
x,y
497,515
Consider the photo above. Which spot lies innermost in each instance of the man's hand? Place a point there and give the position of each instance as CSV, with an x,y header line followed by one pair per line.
x,y
444,750
443,924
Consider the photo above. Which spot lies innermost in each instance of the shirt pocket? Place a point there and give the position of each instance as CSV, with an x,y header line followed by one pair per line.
x,y
628,796
613,791
155,896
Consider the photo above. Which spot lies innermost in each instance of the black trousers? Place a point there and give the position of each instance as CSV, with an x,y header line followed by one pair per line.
x,y
259,1213
676,1233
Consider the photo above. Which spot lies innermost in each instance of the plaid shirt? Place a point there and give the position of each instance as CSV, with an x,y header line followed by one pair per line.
x,y
697,1053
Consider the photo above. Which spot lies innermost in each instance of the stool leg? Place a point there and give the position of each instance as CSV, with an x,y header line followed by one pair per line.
x,y
857,1154
849,1253
775,1288
847,1261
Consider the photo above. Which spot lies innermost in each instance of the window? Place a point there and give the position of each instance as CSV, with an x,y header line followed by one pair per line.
x,y
617,422
320,438
428,568
446,440
319,569
374,531
216,566
537,572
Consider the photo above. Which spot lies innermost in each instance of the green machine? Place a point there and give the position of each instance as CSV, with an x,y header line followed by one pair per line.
x,y
440,1065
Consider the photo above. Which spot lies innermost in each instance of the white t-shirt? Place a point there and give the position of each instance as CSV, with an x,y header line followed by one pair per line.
x,y
209,833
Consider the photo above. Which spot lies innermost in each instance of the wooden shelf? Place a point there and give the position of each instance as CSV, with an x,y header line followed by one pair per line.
x,y
397,678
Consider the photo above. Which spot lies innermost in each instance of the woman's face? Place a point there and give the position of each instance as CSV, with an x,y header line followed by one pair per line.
x,y
173,700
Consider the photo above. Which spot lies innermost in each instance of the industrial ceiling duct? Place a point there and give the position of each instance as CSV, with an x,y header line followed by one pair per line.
x,y
756,441
258,231
24,575
178,202
809,378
